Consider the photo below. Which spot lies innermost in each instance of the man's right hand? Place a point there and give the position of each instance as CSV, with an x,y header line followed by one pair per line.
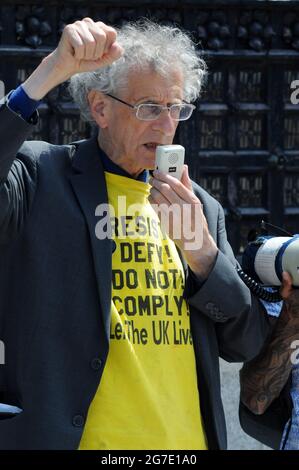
x,y
84,46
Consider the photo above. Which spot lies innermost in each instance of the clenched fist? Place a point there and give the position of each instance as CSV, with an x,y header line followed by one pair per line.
x,y
84,46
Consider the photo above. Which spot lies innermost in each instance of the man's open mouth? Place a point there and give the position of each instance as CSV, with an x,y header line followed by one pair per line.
x,y
151,146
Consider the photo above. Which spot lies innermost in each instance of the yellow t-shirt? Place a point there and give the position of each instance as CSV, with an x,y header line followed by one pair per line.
x,y
148,396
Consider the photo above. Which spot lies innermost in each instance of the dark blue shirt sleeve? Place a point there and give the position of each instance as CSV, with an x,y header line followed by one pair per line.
x,y
21,104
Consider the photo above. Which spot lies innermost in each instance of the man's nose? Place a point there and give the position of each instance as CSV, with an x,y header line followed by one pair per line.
x,y
165,124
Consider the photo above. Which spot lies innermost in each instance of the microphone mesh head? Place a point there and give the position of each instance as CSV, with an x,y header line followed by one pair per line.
x,y
173,158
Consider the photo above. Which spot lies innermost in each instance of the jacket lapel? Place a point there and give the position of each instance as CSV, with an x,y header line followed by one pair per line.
x,y
89,184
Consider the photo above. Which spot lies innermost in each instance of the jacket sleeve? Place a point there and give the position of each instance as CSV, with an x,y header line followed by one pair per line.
x,y
18,171
241,321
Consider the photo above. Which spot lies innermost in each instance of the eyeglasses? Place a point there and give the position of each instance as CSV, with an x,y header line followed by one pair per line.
x,y
150,111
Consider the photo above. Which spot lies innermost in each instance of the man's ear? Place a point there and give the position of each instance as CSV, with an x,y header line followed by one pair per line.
x,y
98,107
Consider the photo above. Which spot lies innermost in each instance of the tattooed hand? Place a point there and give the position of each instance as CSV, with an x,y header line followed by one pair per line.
x,y
290,296
263,378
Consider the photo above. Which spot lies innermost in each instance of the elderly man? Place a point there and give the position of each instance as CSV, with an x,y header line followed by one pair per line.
x,y
113,337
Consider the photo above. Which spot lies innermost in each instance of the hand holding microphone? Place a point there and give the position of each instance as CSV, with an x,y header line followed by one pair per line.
x,y
176,204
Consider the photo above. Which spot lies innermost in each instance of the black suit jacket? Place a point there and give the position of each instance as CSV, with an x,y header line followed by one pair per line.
x,y
55,294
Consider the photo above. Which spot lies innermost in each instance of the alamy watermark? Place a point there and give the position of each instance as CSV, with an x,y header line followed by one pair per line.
x,y
295,95
2,353
295,355
180,222
2,90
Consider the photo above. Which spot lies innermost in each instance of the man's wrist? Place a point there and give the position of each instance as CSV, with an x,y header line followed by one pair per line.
x,y
202,262
42,80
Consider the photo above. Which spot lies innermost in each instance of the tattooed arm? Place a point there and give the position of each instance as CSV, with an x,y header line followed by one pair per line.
x,y
263,378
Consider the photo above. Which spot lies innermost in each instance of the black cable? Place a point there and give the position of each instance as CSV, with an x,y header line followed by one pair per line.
x,y
259,290
264,224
